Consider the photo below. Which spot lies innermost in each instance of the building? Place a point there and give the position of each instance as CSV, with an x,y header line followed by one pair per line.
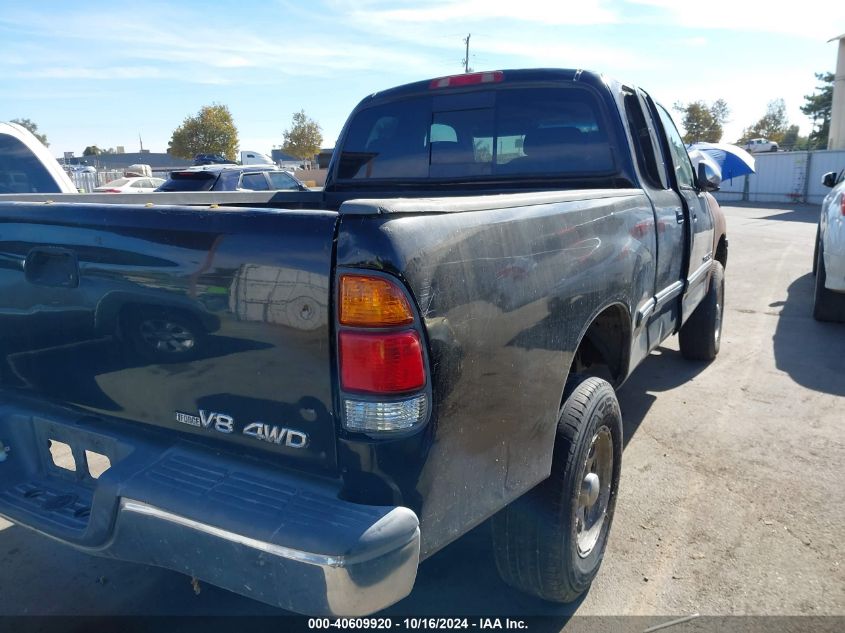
x,y
158,161
836,138
285,160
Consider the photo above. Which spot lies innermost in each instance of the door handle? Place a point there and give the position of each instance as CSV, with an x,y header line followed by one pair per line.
x,y
679,216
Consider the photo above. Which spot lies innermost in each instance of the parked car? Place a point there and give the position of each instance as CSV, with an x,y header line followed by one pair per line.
x,y
757,145
130,185
829,256
212,159
26,165
431,341
232,178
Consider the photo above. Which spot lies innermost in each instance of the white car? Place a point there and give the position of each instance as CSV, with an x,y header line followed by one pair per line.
x,y
26,166
131,185
829,260
757,145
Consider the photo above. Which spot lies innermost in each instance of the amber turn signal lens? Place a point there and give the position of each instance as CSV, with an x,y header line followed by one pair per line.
x,y
372,302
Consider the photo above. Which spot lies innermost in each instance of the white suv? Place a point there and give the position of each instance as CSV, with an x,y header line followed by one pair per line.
x,y
761,145
829,260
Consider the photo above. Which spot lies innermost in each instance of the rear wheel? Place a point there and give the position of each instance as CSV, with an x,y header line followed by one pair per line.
x,y
827,305
701,336
550,542
816,250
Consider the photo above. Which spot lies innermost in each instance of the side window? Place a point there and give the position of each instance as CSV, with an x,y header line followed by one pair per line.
x,y
254,182
279,180
677,151
647,160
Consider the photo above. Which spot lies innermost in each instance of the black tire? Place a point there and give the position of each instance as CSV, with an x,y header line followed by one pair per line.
x,y
701,336
827,304
163,335
536,538
816,250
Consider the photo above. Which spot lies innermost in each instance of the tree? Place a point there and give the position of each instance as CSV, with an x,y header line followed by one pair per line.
x,y
211,131
304,138
792,140
773,125
818,106
92,150
32,127
703,122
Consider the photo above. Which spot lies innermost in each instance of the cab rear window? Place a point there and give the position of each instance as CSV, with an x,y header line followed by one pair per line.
x,y
189,181
523,131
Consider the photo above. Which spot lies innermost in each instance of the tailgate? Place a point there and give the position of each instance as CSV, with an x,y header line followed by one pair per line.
x,y
211,323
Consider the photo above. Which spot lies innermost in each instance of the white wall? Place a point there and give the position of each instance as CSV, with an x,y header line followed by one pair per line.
x,y
785,177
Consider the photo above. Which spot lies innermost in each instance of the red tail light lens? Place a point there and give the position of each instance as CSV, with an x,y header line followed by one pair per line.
x,y
109,191
842,203
381,363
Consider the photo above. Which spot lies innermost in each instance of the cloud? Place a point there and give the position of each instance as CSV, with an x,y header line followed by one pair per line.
x,y
752,16
457,11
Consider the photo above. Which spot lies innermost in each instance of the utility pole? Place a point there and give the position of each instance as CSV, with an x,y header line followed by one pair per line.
x,y
466,59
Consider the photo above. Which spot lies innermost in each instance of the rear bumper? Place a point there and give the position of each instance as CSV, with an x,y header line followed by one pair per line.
x,y
241,524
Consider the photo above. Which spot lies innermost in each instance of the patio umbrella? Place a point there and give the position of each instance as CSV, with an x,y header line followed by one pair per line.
x,y
733,161
697,156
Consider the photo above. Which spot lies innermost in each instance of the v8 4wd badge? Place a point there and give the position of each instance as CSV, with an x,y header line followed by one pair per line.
x,y
224,423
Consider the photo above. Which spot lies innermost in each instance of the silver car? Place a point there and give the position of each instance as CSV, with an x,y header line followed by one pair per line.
x,y
829,259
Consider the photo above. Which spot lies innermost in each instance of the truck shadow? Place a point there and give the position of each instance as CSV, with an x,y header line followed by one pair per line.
x,y
663,370
810,352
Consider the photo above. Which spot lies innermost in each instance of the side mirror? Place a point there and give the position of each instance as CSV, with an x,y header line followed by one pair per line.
x,y
829,179
708,178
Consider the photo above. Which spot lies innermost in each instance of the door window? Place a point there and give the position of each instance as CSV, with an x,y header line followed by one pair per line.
x,y
254,182
280,180
677,151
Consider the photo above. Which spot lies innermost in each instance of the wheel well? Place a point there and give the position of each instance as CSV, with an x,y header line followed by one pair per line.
x,y
722,252
605,347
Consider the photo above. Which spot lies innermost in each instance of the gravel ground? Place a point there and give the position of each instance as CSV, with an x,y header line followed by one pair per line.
x,y
731,500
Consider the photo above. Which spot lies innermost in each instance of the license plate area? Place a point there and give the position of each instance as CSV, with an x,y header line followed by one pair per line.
x,y
72,454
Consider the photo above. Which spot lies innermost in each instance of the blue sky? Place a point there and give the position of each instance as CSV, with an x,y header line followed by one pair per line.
x,y
103,73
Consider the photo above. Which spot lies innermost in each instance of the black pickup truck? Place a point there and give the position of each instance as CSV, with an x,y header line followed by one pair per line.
x,y
301,398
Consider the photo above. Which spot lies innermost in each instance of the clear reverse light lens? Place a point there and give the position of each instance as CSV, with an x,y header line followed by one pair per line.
x,y
399,415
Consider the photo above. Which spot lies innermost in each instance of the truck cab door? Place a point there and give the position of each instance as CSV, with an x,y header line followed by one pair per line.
x,y
700,220
659,314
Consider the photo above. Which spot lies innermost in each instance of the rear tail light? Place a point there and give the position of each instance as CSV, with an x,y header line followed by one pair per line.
x,y
399,415
372,302
842,203
468,79
382,372
109,191
381,363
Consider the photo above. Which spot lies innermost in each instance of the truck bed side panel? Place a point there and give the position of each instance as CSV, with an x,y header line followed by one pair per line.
x,y
505,295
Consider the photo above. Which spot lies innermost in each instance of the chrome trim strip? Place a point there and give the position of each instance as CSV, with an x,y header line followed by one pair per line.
x,y
668,293
645,311
701,271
